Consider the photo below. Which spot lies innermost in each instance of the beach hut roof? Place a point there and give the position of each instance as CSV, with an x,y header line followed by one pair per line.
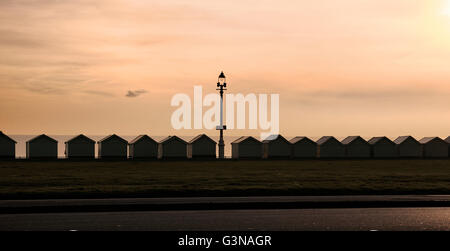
x,y
325,139
81,136
351,139
7,137
42,136
300,138
111,137
170,138
426,140
274,137
402,139
141,137
375,140
244,138
201,136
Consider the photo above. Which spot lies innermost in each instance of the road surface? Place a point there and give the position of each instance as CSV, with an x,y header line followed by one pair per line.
x,y
365,219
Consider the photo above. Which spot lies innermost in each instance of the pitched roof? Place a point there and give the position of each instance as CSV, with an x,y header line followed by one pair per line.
x,y
80,136
375,140
426,140
300,138
6,137
169,138
141,137
244,138
42,136
402,139
199,137
325,139
351,139
112,136
275,137
237,140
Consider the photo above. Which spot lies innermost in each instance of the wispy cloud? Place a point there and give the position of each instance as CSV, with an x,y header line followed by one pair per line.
x,y
133,94
395,93
46,90
99,93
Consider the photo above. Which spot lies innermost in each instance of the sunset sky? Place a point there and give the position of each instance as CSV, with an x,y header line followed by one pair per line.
x,y
347,67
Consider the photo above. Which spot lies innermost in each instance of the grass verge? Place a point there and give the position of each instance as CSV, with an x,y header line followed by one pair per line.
x,y
97,179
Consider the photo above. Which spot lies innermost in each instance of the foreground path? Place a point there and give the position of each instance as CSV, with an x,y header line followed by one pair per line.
x,y
217,203
263,220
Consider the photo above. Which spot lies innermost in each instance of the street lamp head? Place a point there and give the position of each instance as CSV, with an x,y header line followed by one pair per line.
x,y
221,79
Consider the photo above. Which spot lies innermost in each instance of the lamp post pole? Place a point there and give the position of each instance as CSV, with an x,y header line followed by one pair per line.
x,y
221,86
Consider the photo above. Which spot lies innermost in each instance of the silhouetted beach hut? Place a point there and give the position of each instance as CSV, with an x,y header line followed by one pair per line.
x,y
42,147
202,146
276,147
434,147
7,147
356,147
330,147
382,147
80,147
448,141
408,147
172,147
303,147
112,147
246,147
143,147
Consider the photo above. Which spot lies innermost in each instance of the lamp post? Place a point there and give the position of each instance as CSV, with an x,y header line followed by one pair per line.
x,y
221,86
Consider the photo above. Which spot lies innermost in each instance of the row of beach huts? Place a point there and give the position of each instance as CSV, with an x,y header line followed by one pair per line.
x,y
246,147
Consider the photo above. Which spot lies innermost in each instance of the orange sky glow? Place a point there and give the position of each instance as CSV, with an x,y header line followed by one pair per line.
x,y
348,67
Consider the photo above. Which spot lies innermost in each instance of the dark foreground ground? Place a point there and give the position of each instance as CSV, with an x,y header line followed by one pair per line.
x,y
352,219
66,179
